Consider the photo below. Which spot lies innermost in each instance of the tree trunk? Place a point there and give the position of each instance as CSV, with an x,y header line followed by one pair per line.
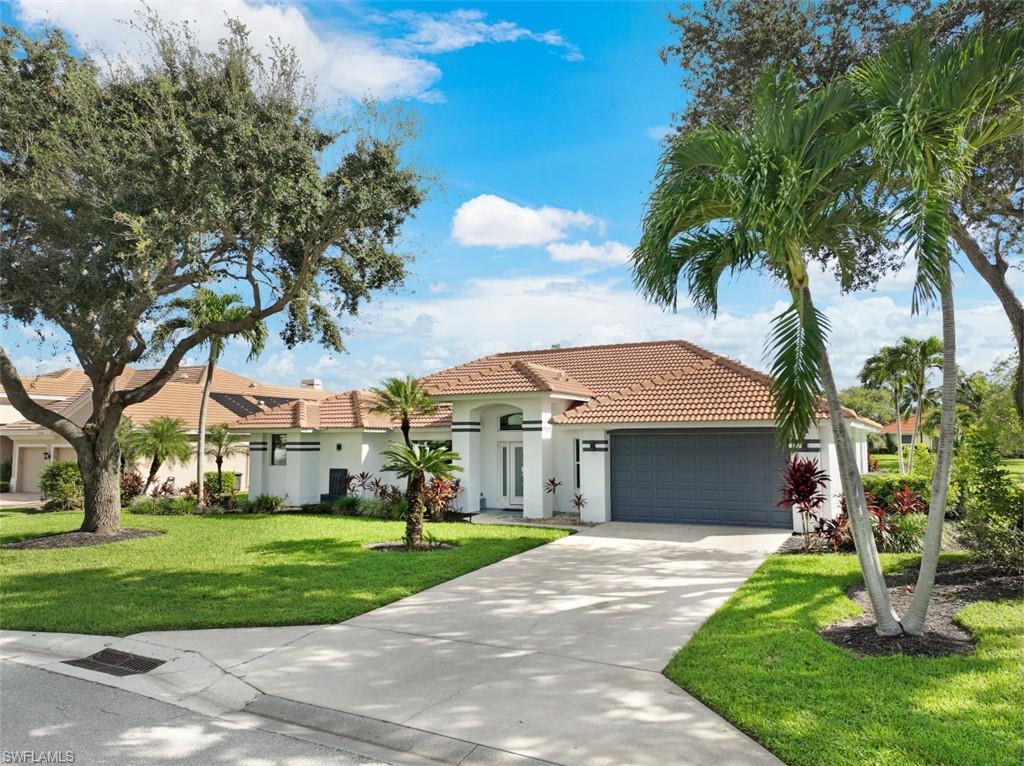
x,y
201,446
100,465
917,423
899,430
414,518
220,474
888,623
915,616
405,432
154,467
995,275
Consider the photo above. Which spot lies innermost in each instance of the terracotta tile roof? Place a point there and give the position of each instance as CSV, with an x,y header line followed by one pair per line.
x,y
351,409
597,370
516,375
906,426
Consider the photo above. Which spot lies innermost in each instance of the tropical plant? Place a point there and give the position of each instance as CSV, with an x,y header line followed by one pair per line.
x,y
921,356
414,463
766,197
402,399
60,485
162,440
579,502
131,486
551,487
127,444
220,445
931,111
266,503
127,186
363,480
207,308
887,369
438,497
803,483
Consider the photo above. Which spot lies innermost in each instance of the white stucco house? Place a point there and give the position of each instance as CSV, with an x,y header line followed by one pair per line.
x,y
662,431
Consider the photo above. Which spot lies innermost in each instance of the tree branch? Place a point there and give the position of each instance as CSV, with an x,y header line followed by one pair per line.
x,y
16,394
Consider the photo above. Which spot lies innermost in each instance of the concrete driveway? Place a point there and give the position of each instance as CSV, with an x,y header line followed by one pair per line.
x,y
555,654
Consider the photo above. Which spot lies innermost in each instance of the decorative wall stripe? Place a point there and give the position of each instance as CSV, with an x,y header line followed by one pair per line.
x,y
258,449
533,422
594,445
466,423
465,430
303,444
532,428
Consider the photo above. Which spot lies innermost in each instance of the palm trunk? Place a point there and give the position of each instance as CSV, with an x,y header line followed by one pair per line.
x,y
887,622
917,419
414,518
100,465
915,617
201,446
899,429
154,467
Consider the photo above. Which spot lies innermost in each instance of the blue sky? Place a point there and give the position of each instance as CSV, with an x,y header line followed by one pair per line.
x,y
542,123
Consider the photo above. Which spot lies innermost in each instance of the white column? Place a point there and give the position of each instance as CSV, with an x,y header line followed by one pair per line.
x,y
466,442
595,475
538,458
259,446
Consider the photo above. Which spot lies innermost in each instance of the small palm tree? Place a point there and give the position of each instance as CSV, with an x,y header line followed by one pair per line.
x,y
162,440
220,445
887,369
204,307
402,399
923,356
127,443
766,197
415,463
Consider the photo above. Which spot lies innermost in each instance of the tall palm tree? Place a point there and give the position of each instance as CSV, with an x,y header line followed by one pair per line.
x,y
415,463
220,445
766,197
162,440
923,356
930,112
402,399
887,369
201,308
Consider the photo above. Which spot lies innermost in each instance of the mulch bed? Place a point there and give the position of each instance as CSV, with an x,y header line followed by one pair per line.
x,y
81,539
400,547
957,585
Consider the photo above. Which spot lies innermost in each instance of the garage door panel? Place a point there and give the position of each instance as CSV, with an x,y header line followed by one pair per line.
x,y
710,476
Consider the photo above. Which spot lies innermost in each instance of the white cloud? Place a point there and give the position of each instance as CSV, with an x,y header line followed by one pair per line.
x,y
610,252
346,63
438,287
464,28
491,220
660,132
279,368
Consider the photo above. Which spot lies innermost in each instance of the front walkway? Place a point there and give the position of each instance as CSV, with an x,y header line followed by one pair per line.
x,y
19,500
555,653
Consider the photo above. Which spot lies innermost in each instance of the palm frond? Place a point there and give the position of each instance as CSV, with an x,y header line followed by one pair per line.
x,y
795,348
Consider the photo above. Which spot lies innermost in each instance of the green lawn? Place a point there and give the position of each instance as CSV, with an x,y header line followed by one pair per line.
x,y
232,570
890,464
759,662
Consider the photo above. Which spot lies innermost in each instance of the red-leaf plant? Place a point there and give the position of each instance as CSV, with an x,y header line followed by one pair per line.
x,y
905,501
802,485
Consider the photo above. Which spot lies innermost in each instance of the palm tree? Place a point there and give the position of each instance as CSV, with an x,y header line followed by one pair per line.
x,y
402,399
204,307
414,463
887,369
930,113
162,440
766,197
220,445
922,356
127,443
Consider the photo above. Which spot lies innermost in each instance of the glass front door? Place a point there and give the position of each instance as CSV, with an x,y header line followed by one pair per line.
x,y
510,469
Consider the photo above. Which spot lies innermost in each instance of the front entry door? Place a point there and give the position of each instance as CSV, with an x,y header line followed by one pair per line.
x,y
510,471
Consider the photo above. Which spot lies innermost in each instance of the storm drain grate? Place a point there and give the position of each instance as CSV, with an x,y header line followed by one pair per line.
x,y
116,663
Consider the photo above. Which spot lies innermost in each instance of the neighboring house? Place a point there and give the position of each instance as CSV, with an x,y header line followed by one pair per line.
x,y
661,431
928,437
30,447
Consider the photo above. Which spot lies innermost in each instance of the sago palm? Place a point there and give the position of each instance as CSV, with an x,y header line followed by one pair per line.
x,y
402,399
414,464
163,441
887,370
930,112
201,308
765,198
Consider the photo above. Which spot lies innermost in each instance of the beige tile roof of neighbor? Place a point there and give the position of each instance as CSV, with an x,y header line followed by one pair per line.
x,y
350,409
180,398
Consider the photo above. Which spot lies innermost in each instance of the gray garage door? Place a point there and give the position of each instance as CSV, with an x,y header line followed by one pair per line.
x,y
712,476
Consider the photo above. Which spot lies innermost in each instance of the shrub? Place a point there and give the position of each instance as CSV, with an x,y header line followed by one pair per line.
x,y
266,504
439,497
884,486
241,499
383,509
802,485
992,525
924,462
906,532
5,486
131,486
61,486
349,505
165,489
5,471
164,506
